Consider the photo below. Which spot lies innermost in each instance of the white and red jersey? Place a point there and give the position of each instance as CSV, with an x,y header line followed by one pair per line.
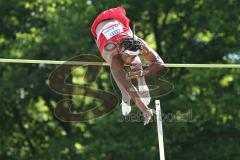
x,y
112,31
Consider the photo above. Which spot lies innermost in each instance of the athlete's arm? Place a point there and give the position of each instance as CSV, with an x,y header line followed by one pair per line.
x,y
156,66
117,68
156,63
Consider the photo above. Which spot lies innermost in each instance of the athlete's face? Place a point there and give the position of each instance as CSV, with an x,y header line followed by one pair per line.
x,y
128,59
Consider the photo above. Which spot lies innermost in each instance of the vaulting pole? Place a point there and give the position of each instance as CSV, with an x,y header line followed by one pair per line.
x,y
160,130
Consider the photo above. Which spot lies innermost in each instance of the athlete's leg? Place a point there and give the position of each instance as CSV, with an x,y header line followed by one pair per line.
x,y
142,86
126,99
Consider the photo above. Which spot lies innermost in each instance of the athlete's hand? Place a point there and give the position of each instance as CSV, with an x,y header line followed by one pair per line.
x,y
148,115
136,74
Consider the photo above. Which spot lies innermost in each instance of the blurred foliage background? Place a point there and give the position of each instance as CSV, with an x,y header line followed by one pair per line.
x,y
181,31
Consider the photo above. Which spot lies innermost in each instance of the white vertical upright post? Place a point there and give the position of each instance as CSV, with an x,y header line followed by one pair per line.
x,y
160,130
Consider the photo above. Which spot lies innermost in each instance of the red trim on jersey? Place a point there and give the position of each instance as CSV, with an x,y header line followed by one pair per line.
x,y
115,13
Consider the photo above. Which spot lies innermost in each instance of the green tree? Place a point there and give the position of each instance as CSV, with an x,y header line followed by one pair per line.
x,y
182,31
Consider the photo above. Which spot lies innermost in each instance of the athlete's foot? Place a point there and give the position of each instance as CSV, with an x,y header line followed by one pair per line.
x,y
148,115
145,97
126,108
144,94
